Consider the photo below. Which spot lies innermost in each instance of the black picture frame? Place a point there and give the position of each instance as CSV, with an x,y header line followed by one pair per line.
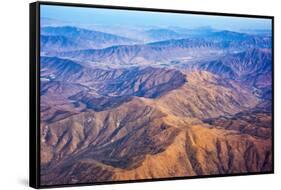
x,y
34,90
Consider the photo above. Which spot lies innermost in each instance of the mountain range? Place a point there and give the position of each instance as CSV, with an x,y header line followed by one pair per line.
x,y
165,128
58,38
179,103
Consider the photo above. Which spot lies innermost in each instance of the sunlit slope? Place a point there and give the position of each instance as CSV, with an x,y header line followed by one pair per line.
x,y
154,138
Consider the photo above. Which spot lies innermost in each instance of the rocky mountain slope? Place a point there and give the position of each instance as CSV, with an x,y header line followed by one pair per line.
x,y
160,137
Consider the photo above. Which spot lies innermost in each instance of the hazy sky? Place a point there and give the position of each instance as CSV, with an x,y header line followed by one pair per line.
x,y
82,15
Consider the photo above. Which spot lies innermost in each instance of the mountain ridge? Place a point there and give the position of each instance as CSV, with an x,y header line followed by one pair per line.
x,y
83,38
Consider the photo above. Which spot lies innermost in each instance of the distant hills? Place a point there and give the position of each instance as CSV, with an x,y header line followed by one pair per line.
x,y
251,67
80,38
162,34
161,52
68,38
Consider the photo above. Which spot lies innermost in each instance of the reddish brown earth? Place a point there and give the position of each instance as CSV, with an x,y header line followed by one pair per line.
x,y
208,125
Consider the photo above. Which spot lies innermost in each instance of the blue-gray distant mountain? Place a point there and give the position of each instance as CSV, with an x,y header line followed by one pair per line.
x,y
55,43
142,54
241,65
162,34
228,35
168,50
194,32
242,39
83,38
251,67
